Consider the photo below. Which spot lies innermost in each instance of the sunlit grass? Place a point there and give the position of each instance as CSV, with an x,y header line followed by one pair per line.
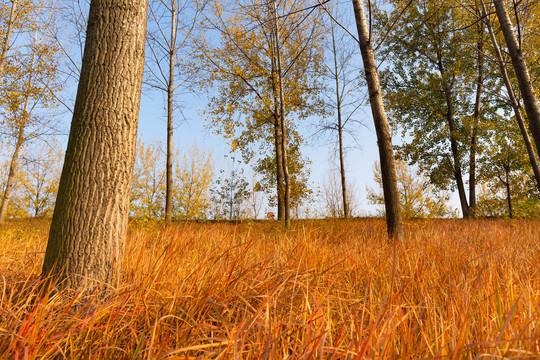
x,y
325,290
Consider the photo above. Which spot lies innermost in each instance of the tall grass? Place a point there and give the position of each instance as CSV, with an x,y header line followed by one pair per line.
x,y
453,289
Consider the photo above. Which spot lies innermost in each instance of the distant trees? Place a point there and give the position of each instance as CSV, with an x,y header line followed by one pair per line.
x,y
418,196
86,240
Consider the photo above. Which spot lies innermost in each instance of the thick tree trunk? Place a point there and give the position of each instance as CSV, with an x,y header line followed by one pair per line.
x,y
9,30
12,171
384,139
170,93
476,120
522,73
89,225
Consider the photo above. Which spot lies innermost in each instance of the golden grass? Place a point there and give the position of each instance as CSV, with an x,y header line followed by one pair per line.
x,y
453,289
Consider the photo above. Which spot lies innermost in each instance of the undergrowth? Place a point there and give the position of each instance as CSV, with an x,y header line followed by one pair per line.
x,y
454,289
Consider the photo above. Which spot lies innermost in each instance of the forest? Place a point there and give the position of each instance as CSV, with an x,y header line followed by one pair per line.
x,y
117,245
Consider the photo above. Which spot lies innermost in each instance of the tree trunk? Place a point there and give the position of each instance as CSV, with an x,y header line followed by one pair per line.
x,y
386,153
522,72
286,179
89,225
508,192
12,170
345,201
9,30
170,93
279,168
456,164
513,100
476,120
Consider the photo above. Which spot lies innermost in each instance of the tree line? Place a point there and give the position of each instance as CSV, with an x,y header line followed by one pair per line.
x,y
454,77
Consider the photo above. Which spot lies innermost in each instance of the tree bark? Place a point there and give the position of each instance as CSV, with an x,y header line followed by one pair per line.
x,y
513,100
279,167
9,30
522,73
386,153
89,225
170,94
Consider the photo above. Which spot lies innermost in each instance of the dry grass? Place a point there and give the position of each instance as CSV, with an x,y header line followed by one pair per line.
x,y
324,290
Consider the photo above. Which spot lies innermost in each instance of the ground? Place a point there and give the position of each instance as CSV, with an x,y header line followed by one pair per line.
x,y
327,289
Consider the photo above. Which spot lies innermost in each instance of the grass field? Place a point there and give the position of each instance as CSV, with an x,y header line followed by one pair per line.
x,y
453,289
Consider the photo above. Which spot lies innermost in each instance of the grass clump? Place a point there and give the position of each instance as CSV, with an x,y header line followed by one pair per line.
x,y
453,289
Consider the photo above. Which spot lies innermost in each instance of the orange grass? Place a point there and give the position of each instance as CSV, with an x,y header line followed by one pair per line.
x,y
453,289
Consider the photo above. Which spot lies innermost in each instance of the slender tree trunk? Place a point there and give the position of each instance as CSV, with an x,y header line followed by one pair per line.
x,y
456,163
522,73
12,171
286,178
476,120
279,167
9,30
388,168
345,201
508,192
170,94
89,225
513,100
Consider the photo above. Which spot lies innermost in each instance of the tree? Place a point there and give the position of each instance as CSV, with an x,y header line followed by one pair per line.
x,y
39,178
266,68
419,198
86,240
342,98
331,195
148,185
28,86
169,67
521,70
514,102
230,194
436,94
193,176
384,138
506,175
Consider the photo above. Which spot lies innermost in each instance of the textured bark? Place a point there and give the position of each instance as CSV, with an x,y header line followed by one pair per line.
x,y
9,30
522,73
513,100
386,153
86,240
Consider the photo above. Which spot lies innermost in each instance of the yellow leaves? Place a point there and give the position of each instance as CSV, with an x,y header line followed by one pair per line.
x,y
192,177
